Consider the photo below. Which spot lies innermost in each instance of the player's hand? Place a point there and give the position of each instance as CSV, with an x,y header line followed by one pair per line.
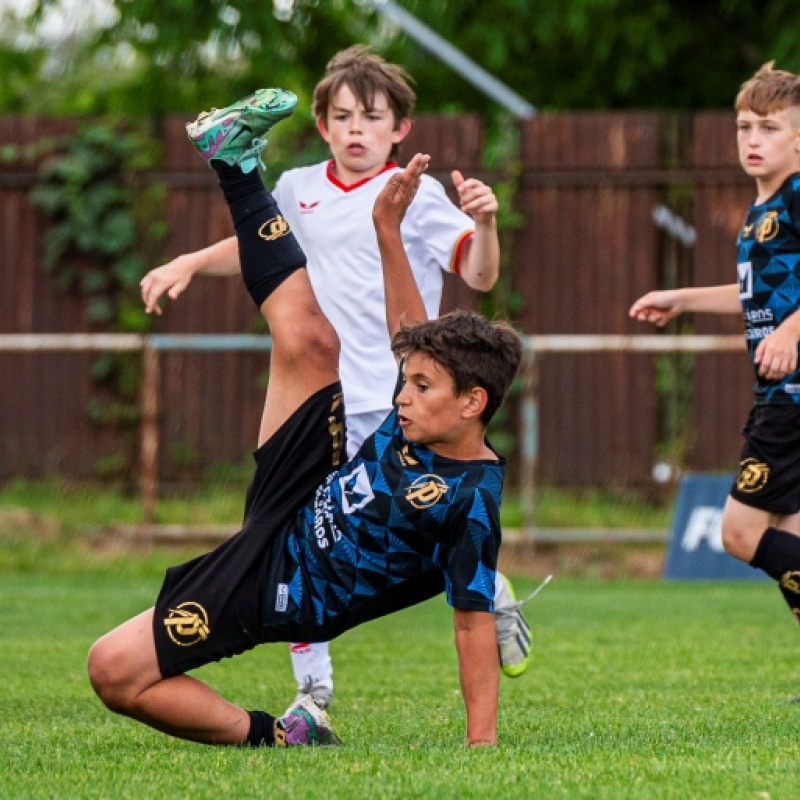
x,y
171,279
395,198
656,307
475,197
776,354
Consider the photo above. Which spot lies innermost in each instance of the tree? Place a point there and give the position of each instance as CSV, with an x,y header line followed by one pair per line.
x,y
157,57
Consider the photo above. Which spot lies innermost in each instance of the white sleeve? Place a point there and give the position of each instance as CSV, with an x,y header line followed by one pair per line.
x,y
445,227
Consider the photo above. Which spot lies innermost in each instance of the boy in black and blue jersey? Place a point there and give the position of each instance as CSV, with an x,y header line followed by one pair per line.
x,y
327,545
761,520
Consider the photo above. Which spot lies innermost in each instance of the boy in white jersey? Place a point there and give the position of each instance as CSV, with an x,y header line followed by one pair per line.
x,y
363,108
328,545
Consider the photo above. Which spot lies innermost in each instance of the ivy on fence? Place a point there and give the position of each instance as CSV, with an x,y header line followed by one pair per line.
x,y
106,226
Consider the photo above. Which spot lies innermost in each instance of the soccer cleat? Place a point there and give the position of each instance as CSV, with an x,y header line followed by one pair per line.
x,y
305,725
513,634
322,695
237,134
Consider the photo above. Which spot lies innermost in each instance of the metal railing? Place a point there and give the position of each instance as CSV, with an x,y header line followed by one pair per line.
x,y
153,344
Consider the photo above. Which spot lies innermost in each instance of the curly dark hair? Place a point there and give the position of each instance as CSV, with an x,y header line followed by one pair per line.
x,y
473,350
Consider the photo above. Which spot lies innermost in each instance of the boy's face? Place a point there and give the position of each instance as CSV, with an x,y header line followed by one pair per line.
x,y
430,412
360,140
769,146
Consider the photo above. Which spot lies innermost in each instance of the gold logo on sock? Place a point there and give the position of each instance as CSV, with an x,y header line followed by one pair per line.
x,y
187,624
274,228
753,476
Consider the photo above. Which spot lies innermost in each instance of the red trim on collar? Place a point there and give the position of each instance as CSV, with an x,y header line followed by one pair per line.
x,y
339,185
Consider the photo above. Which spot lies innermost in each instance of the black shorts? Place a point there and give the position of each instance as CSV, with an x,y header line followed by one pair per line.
x,y
769,467
211,607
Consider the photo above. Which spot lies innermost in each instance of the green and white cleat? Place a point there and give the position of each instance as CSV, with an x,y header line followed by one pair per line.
x,y
237,134
514,643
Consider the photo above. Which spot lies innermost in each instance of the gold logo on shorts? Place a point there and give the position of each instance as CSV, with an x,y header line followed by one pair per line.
x,y
791,581
274,228
753,476
336,430
187,624
426,491
767,227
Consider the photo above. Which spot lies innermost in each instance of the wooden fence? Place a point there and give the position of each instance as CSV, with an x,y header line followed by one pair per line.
x,y
588,188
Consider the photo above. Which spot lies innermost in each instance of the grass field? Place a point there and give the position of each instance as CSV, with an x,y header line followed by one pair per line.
x,y
641,689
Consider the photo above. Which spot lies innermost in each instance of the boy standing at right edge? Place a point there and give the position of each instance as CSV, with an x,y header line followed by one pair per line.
x,y
761,520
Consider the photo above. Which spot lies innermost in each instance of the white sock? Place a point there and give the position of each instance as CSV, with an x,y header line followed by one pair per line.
x,y
312,665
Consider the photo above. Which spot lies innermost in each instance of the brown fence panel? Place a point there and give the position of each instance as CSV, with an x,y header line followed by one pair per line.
x,y
722,382
210,402
588,248
44,427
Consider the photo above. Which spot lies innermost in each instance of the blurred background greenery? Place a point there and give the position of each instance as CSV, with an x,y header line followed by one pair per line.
x,y
151,57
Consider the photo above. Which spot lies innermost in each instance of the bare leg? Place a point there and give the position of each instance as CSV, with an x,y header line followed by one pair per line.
x,y
742,529
305,351
124,672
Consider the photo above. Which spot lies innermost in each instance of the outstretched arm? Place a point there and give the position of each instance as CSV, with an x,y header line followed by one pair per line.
x,y
662,306
403,300
172,278
481,257
479,673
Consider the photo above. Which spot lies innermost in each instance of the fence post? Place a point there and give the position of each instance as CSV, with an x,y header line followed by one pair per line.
x,y
149,432
529,408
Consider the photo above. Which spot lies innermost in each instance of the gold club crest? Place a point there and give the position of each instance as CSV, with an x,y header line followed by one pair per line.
x,y
753,476
426,491
187,624
767,227
274,228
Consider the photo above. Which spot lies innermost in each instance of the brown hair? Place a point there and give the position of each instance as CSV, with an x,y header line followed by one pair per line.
x,y
366,75
769,90
474,351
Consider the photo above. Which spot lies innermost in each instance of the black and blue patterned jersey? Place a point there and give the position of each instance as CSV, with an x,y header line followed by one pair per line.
x,y
768,254
394,526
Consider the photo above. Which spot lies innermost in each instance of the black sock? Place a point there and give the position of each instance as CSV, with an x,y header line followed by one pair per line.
x,y
778,554
262,729
268,251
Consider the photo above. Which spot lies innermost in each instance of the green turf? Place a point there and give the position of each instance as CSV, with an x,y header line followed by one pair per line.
x,y
639,690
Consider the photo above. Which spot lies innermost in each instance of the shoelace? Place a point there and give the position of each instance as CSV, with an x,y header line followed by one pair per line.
x,y
513,609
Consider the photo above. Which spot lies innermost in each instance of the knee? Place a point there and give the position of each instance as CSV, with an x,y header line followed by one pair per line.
x,y
738,540
313,344
107,677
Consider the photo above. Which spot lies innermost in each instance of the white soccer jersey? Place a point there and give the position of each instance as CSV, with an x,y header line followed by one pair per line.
x,y
333,224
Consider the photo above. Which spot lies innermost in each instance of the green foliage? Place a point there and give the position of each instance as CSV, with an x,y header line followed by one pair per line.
x,y
105,218
558,54
605,54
